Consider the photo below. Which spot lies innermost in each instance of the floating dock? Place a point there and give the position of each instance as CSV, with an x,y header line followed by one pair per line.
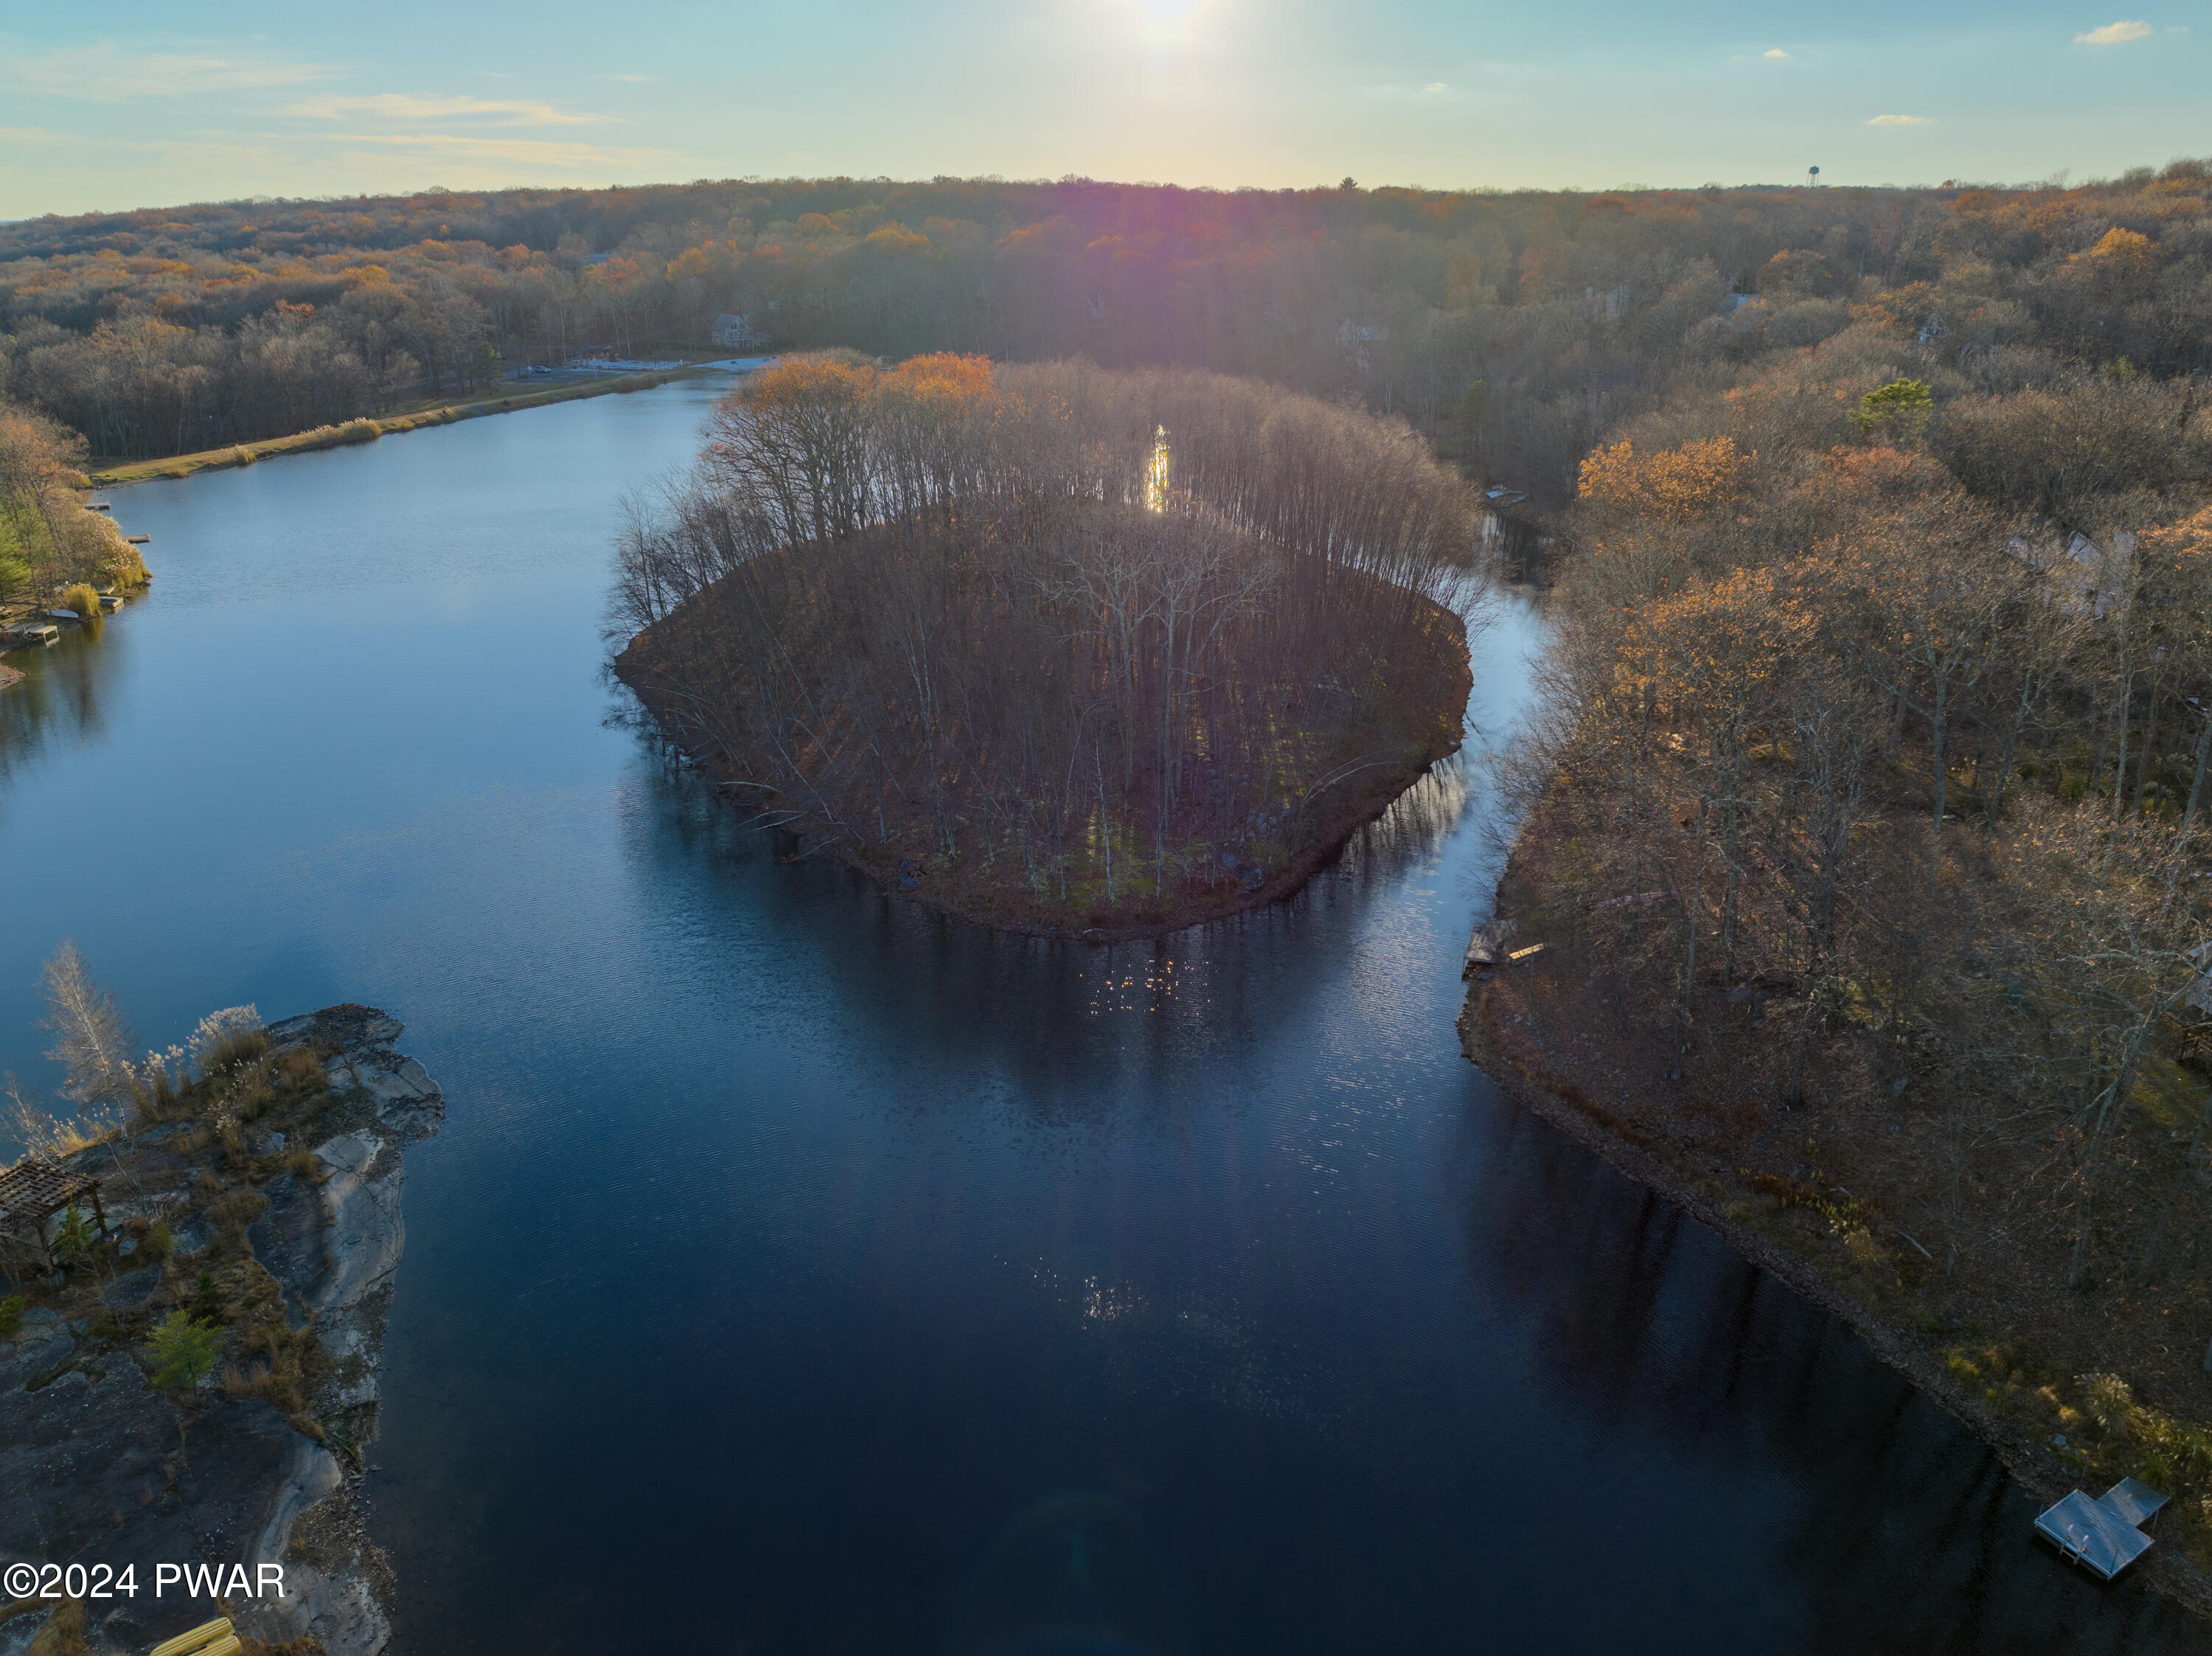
x,y
2104,1536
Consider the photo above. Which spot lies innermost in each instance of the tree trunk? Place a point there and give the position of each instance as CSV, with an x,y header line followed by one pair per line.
x,y
2180,852
1796,1096
1939,732
2149,746
2115,1104
2120,767
2011,752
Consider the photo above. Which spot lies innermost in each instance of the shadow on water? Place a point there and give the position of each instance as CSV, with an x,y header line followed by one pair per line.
x,y
57,706
1905,1533
1062,1015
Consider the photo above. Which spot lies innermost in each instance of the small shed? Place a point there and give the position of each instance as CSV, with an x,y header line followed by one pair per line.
x,y
34,1190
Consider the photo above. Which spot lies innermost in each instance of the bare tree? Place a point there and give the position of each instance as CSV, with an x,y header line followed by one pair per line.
x,y
91,1041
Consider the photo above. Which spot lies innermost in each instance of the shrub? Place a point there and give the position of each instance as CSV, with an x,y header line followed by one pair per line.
x,y
81,599
126,569
183,1350
231,1212
11,1313
63,1633
159,1086
160,1241
299,1068
227,1038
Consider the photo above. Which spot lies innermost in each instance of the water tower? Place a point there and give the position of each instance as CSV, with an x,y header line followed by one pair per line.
x,y
1812,177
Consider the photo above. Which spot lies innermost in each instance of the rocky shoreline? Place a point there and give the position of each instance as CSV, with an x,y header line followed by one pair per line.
x,y
98,1466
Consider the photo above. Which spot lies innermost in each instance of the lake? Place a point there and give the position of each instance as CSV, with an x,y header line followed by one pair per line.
x,y
797,1271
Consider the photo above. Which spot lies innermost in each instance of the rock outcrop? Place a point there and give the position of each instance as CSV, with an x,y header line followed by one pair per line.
x,y
98,1466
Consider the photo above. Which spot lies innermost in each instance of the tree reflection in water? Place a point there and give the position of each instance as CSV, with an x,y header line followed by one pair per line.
x,y
1905,1532
58,705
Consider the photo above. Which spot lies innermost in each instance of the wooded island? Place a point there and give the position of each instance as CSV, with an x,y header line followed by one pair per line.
x,y
1054,648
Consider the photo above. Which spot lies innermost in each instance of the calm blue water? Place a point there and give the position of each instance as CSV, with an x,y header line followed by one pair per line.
x,y
798,1273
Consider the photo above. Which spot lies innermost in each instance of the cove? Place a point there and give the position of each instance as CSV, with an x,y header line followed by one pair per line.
x,y
800,1272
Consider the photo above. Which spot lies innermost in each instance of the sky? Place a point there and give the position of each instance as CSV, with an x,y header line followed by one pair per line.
x,y
164,104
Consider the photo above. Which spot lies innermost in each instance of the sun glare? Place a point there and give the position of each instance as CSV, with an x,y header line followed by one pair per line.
x,y
1167,20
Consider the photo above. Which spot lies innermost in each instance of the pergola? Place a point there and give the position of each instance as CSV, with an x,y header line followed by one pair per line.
x,y
32,1192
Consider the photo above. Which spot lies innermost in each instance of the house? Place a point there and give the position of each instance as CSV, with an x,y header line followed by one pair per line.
x,y
1354,338
2091,580
737,331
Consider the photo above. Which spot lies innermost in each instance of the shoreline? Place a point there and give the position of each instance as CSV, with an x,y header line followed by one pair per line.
x,y
1523,1068
125,473
261,1460
1316,855
1329,839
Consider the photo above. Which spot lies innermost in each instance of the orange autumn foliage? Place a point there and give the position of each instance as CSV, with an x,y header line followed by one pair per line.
x,y
1675,483
1708,649
2118,249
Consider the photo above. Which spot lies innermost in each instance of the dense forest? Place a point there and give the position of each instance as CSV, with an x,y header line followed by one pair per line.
x,y
1055,646
1873,801
1869,819
177,330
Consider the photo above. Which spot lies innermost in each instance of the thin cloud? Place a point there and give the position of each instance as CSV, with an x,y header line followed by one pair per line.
x,y
404,106
1900,120
28,136
113,73
2113,34
1776,53
538,152
1401,93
